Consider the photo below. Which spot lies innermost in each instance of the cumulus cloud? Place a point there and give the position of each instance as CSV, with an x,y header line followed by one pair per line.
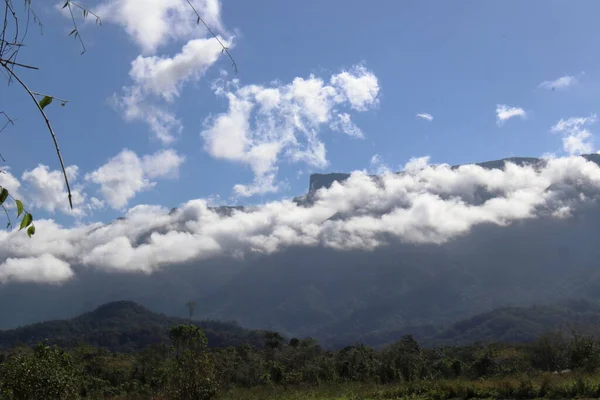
x,y
560,83
577,139
46,189
424,204
41,269
264,124
505,112
10,182
425,116
126,174
416,164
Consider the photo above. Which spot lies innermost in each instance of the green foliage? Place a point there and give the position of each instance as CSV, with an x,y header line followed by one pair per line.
x,y
20,208
190,373
46,100
27,220
45,373
3,195
556,365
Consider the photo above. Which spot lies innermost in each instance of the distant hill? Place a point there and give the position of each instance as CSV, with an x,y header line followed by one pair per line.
x,y
506,324
124,326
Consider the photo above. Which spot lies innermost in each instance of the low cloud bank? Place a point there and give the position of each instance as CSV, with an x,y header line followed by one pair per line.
x,y
431,204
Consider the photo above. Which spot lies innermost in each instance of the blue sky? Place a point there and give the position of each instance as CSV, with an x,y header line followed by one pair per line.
x,y
456,61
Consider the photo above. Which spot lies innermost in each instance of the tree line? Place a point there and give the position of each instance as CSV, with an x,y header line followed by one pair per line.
x,y
189,369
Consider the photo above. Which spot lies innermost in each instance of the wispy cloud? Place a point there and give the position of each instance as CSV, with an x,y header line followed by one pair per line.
x,y
425,116
560,83
576,138
157,80
505,112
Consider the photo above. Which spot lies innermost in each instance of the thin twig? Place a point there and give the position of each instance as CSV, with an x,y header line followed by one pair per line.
x,y
76,30
86,12
7,216
225,49
8,121
18,64
41,110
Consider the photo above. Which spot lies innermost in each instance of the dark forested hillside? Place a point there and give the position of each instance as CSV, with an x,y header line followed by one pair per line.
x,y
124,326
506,324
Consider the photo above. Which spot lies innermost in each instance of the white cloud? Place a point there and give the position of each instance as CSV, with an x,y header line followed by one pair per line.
x,y
164,76
416,164
41,269
376,160
504,112
343,123
576,138
425,116
359,86
424,204
378,166
10,182
560,83
46,189
157,82
153,23
162,164
264,124
126,174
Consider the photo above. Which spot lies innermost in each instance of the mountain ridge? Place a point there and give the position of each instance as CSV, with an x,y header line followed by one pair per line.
x,y
110,326
124,326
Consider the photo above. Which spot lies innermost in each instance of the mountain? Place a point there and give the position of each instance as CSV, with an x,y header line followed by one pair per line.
x,y
330,294
505,324
124,326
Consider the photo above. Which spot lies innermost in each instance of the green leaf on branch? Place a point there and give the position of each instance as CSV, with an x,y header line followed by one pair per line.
x,y
27,219
19,207
45,101
3,195
66,4
31,230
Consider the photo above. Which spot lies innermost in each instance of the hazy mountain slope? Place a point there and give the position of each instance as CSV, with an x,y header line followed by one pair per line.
x,y
127,326
329,293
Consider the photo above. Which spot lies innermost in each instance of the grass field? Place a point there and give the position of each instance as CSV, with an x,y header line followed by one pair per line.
x,y
524,387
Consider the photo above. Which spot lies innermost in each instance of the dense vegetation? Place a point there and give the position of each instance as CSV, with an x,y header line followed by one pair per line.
x,y
558,364
177,361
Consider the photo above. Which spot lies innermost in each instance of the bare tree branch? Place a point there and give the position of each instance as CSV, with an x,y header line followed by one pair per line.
x,y
50,129
18,64
225,49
